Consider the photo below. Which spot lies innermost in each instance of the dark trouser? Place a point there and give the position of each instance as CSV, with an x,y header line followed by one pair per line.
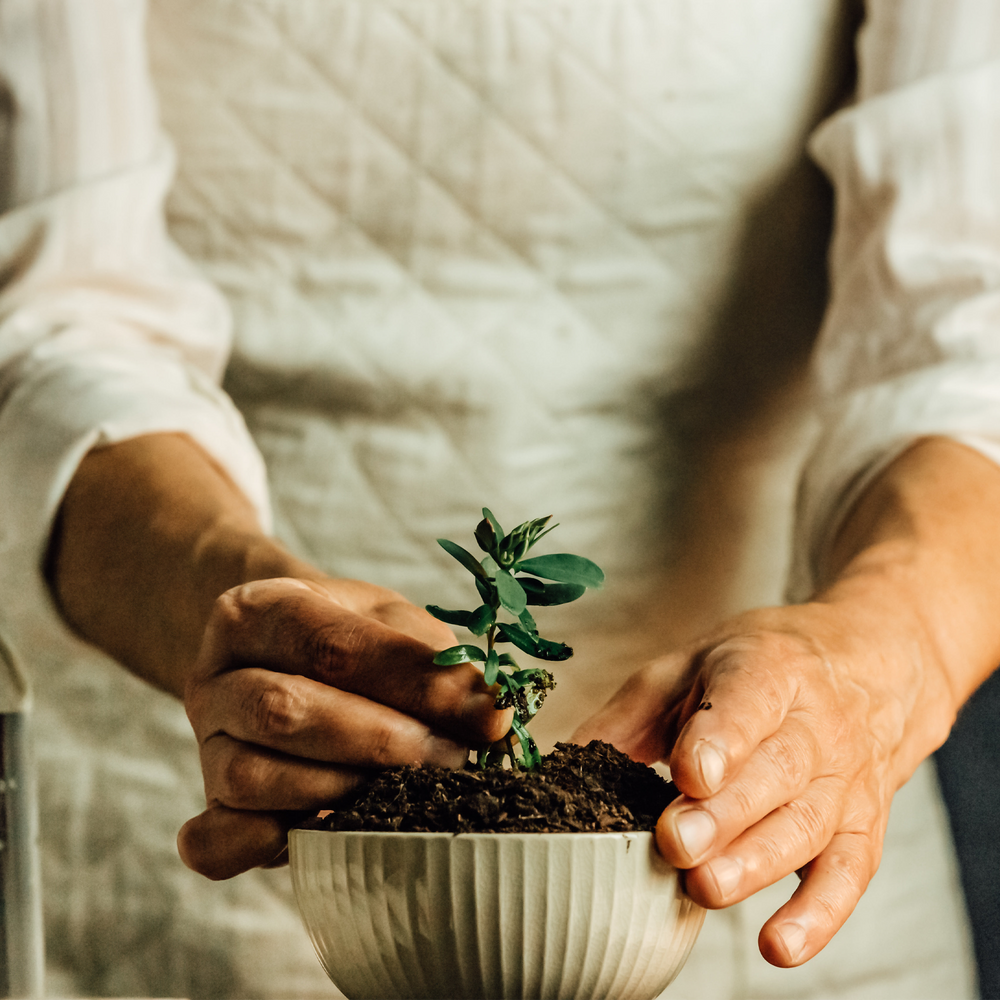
x,y
969,772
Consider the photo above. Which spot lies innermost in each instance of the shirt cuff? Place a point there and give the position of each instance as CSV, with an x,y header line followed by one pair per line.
x,y
60,410
865,431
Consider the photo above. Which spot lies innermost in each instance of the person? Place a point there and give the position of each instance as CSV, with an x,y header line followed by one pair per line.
x,y
479,253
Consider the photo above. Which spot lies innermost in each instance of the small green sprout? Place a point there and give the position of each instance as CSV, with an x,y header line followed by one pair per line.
x,y
500,589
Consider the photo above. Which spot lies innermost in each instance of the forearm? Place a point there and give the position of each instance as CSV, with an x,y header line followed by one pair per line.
x,y
149,534
919,558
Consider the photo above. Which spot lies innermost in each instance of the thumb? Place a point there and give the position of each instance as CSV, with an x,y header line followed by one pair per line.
x,y
640,719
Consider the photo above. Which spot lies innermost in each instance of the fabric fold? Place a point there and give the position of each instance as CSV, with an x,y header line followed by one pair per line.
x,y
911,341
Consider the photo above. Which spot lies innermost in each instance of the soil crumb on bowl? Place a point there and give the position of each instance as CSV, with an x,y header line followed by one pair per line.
x,y
591,789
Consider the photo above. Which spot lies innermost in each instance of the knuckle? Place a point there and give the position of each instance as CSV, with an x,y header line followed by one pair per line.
x,y
337,649
809,820
383,745
239,778
743,799
229,609
848,874
756,666
791,756
770,855
850,868
279,709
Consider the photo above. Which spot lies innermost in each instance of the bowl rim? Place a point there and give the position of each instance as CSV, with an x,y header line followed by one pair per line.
x,y
562,835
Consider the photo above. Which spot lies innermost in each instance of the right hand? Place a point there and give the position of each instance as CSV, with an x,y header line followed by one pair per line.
x,y
300,688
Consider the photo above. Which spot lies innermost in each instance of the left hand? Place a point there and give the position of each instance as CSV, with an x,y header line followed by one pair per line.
x,y
787,731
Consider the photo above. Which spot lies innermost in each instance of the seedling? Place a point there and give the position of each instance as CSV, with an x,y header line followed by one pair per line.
x,y
507,580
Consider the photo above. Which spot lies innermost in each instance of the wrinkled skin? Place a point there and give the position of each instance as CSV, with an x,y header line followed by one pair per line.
x,y
791,764
789,730
299,688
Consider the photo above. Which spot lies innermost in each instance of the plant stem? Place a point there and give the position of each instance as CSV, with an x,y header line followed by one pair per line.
x,y
510,751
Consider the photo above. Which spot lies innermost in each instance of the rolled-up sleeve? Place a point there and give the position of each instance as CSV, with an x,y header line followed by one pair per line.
x,y
911,342
106,331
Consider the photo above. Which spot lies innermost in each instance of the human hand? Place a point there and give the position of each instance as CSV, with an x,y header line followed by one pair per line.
x,y
300,687
787,731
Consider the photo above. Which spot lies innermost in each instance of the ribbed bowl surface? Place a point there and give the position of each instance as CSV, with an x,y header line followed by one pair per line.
x,y
493,916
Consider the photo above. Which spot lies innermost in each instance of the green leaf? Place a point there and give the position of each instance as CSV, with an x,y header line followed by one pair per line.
x,y
511,593
534,675
506,660
534,645
492,668
460,618
525,641
488,514
481,619
512,684
518,636
548,650
488,592
459,654
564,568
486,536
527,622
535,528
466,558
515,546
542,534
528,534
549,594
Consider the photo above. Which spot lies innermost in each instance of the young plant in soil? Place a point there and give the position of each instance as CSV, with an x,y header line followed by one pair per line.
x,y
509,580
573,789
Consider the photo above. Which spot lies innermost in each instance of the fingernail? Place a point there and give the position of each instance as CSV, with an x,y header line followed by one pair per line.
x,y
726,873
695,830
793,939
711,764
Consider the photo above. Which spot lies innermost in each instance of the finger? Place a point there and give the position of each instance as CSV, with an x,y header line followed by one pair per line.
x,y
406,617
243,776
220,843
782,842
286,626
830,889
386,606
778,771
748,690
640,718
305,718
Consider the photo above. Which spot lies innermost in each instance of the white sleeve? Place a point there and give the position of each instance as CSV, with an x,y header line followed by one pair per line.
x,y
911,341
106,331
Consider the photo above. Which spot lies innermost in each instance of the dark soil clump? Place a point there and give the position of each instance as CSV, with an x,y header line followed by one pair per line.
x,y
595,788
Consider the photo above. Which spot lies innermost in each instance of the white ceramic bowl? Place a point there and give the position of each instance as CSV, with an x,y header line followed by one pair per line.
x,y
493,916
